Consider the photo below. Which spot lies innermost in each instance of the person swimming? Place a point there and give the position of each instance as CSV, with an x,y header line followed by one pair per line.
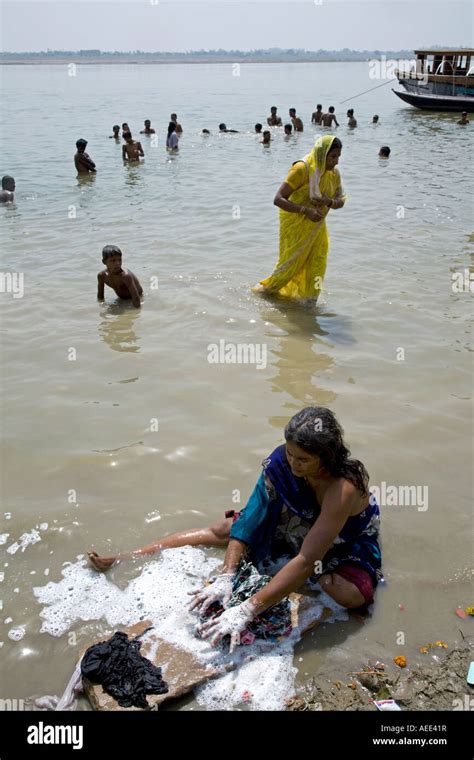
x,y
223,128
8,188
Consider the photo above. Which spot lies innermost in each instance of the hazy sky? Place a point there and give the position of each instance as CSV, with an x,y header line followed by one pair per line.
x,y
180,25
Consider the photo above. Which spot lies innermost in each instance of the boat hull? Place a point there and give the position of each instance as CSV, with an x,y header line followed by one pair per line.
x,y
431,102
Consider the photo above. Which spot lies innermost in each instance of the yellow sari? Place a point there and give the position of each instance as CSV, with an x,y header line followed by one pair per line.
x,y
304,244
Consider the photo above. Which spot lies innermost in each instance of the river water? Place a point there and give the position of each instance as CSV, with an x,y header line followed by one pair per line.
x,y
117,429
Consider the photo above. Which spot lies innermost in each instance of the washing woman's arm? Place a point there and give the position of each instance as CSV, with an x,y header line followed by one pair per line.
x,y
336,508
245,530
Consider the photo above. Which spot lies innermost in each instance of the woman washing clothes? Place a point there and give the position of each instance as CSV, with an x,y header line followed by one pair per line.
x,y
311,510
311,188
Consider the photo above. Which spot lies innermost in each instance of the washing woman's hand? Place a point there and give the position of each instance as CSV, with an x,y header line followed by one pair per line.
x,y
218,591
232,622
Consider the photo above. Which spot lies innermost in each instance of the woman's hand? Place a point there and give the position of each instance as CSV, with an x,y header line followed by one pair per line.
x,y
313,214
219,591
232,622
326,200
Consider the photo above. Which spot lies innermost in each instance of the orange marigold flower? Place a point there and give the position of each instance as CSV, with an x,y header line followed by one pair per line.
x,y
401,661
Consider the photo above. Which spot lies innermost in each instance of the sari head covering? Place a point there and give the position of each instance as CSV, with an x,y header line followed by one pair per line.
x,y
316,163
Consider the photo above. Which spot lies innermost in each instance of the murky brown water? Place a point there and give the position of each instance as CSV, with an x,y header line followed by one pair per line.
x,y
78,452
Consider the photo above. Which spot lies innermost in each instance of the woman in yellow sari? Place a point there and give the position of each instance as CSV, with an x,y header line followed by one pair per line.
x,y
311,188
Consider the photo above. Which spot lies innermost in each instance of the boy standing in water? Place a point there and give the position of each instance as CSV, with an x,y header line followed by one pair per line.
x,y
352,120
132,150
317,115
123,281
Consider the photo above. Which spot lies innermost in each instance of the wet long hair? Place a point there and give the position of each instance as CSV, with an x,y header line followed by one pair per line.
x,y
316,430
171,128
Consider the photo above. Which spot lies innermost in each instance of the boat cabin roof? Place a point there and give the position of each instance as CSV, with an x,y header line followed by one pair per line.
x,y
438,52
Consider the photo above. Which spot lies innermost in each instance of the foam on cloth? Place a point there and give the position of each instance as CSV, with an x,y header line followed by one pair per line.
x,y
160,594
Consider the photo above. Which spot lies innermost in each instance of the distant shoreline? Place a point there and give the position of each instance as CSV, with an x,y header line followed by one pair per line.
x,y
79,61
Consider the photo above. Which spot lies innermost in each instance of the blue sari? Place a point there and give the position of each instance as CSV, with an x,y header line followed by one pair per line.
x,y
282,509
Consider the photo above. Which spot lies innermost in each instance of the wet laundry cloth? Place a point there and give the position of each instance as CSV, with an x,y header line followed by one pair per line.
x,y
273,623
122,671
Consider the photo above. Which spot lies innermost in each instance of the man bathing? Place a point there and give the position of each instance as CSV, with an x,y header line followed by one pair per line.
x,y
83,162
295,120
317,115
148,128
274,120
328,118
352,120
122,281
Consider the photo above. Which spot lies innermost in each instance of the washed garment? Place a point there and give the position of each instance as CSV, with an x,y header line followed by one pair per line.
x,y
122,671
282,509
304,244
273,623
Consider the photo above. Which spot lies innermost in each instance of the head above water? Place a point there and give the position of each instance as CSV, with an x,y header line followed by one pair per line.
x,y
384,151
147,123
292,111
174,117
273,109
205,132
288,129
350,112
127,136
315,446
258,127
319,107
375,119
125,127
81,145
331,109
8,183
116,129
222,127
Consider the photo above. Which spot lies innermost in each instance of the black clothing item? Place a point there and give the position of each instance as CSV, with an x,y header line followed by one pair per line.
x,y
122,671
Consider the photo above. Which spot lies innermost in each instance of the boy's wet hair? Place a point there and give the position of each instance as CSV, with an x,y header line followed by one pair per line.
x,y
331,109
385,150
81,142
110,250
116,126
126,135
6,180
